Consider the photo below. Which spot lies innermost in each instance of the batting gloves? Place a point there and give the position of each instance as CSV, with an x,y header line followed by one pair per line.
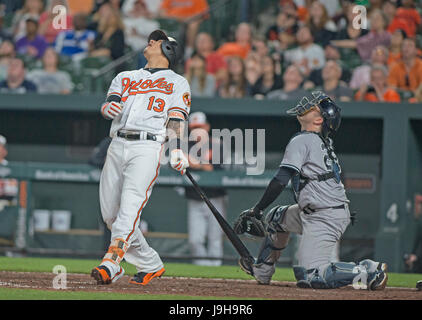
x,y
178,161
111,110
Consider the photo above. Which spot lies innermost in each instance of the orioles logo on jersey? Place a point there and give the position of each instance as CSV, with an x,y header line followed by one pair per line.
x,y
141,86
186,99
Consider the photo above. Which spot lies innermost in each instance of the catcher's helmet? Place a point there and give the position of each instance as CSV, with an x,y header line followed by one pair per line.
x,y
169,47
330,112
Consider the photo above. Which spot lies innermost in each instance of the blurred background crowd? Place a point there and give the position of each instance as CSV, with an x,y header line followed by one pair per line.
x,y
48,46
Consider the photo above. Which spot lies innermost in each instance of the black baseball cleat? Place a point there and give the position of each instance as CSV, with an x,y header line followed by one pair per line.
x,y
101,274
246,265
144,278
419,285
379,282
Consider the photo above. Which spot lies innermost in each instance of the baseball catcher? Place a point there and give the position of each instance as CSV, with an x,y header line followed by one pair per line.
x,y
321,214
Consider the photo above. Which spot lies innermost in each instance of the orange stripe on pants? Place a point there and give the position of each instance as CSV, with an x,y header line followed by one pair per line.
x,y
146,197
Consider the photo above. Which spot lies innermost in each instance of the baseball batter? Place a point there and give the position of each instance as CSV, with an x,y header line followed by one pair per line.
x,y
145,106
321,214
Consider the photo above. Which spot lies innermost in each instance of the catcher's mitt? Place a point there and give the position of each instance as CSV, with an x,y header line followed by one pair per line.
x,y
250,222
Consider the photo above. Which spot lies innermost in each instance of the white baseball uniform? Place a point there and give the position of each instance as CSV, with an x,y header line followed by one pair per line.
x,y
149,98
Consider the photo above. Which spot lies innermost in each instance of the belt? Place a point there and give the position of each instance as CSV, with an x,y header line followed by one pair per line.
x,y
308,210
142,135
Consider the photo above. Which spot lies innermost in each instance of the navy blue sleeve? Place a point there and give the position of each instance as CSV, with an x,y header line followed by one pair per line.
x,y
276,186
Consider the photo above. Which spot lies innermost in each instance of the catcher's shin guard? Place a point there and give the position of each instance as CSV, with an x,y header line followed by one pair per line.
x,y
334,275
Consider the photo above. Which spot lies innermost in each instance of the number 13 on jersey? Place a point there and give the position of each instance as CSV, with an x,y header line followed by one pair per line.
x,y
156,104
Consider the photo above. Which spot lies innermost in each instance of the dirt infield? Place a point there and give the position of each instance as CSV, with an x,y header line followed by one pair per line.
x,y
203,287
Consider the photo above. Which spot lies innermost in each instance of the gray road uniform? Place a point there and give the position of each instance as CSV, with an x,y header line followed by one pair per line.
x,y
322,203
321,214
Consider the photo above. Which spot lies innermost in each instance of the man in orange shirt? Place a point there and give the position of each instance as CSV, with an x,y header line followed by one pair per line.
x,y
406,17
378,91
191,12
242,44
407,74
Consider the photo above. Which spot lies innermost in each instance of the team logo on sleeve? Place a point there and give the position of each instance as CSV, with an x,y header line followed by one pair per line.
x,y
186,99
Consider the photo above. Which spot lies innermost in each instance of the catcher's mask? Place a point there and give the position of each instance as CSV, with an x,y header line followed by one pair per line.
x,y
330,112
169,46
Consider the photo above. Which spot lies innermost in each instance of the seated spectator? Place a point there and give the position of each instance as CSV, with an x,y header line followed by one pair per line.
x,y
417,97
377,90
389,8
332,6
269,81
346,37
51,25
308,56
323,29
292,90
253,70
362,75
406,17
32,44
376,37
291,8
397,38
259,46
50,79
31,8
190,12
242,44
235,84
202,84
75,43
139,25
7,54
332,86
215,63
16,82
284,29
407,74
110,40
315,78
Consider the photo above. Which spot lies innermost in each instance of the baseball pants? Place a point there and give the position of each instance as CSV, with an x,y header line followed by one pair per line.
x,y
320,232
126,183
205,234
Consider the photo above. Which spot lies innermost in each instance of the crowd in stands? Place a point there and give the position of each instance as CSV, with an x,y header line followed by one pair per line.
x,y
311,44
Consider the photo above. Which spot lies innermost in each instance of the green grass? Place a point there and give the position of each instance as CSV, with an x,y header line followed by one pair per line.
x,y
84,266
33,294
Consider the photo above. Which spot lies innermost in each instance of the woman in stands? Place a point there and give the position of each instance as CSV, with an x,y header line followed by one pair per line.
x,y
202,84
110,41
235,84
323,29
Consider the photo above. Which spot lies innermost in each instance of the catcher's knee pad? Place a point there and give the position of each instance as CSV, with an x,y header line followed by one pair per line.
x,y
116,251
274,219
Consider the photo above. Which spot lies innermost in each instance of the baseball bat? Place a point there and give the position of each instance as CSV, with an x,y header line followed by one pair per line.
x,y
228,230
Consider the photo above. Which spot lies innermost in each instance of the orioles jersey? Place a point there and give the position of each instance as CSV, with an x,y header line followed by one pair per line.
x,y
150,97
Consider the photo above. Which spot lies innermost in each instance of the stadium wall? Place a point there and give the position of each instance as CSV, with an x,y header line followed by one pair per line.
x,y
380,148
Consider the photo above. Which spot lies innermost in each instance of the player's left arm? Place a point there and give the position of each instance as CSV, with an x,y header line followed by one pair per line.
x,y
178,114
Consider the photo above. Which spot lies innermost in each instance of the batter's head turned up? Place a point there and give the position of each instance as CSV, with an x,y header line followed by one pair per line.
x,y
162,51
